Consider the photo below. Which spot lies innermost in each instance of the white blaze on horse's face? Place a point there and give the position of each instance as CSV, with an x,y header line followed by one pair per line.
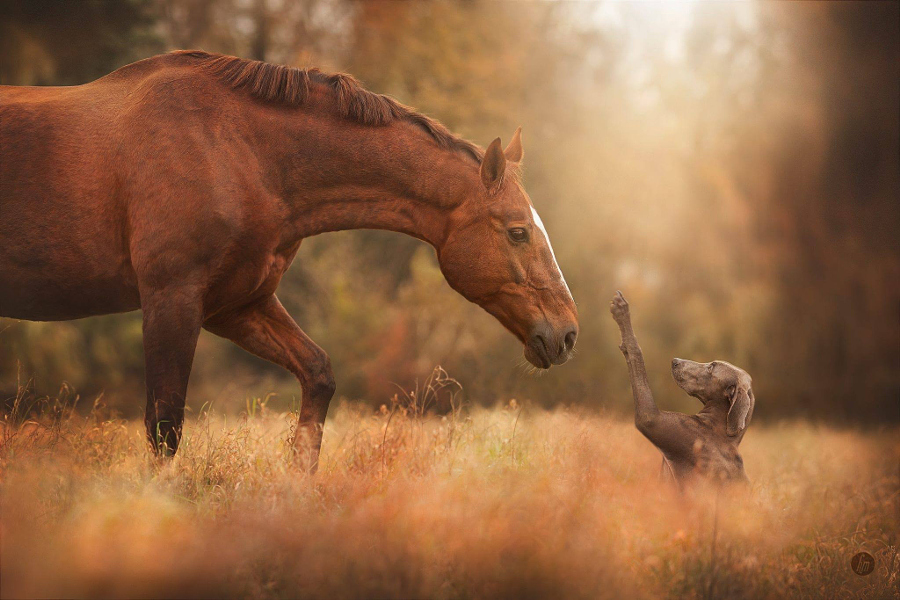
x,y
540,226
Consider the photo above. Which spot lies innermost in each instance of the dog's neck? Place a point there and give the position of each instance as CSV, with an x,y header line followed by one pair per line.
x,y
715,416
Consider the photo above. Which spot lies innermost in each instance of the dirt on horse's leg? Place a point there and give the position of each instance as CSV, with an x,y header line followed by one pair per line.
x,y
268,331
171,327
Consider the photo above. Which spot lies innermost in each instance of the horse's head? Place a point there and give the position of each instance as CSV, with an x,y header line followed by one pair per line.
x,y
498,255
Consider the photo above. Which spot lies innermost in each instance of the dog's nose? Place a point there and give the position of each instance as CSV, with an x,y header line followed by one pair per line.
x,y
676,362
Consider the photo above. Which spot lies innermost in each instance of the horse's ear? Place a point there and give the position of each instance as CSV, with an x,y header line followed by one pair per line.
x,y
514,151
493,165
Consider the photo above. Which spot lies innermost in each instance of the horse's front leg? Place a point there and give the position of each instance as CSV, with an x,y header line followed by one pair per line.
x,y
268,331
172,319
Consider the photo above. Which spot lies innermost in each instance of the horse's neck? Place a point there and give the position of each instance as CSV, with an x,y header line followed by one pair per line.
x,y
392,177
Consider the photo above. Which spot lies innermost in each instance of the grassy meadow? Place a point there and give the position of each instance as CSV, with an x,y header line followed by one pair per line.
x,y
509,502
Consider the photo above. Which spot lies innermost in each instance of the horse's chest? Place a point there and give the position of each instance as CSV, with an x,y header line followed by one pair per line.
x,y
274,270
272,267
249,279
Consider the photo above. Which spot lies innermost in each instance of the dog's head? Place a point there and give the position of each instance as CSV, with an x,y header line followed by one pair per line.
x,y
718,382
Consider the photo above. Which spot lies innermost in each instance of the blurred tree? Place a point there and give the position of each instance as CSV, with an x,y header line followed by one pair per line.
x,y
51,42
731,167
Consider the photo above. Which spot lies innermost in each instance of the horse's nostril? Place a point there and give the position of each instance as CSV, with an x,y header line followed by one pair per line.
x,y
541,341
539,344
569,342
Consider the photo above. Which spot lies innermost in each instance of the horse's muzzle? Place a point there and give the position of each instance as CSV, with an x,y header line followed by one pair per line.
x,y
547,346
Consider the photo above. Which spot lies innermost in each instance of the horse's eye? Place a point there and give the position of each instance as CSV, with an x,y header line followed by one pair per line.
x,y
518,234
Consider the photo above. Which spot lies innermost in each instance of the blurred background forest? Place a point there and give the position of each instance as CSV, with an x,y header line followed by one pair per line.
x,y
731,167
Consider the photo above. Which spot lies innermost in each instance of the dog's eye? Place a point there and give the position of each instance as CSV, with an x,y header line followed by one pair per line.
x,y
518,234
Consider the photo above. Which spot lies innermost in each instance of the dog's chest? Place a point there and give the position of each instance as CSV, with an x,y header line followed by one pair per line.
x,y
717,462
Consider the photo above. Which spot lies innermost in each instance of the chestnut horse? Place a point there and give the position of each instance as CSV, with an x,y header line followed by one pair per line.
x,y
183,185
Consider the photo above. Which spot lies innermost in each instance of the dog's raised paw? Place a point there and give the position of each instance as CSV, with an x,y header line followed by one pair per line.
x,y
619,308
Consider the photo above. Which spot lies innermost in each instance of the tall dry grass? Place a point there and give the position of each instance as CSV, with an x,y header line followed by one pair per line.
x,y
509,502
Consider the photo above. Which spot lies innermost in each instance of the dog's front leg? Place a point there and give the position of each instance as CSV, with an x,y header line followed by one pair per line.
x,y
673,433
645,409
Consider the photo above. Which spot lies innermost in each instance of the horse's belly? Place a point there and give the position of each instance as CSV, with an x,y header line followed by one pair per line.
x,y
36,298
62,266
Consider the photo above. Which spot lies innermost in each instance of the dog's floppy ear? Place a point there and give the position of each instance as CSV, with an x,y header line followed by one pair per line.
x,y
741,408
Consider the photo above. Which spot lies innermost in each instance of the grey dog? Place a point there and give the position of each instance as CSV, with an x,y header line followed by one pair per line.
x,y
704,444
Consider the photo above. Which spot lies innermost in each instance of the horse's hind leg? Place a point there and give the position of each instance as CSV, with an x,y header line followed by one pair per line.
x,y
268,331
172,322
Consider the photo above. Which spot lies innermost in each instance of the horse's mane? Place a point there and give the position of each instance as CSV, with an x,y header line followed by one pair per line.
x,y
290,85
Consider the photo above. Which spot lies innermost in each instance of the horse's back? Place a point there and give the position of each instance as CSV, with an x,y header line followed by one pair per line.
x,y
97,181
